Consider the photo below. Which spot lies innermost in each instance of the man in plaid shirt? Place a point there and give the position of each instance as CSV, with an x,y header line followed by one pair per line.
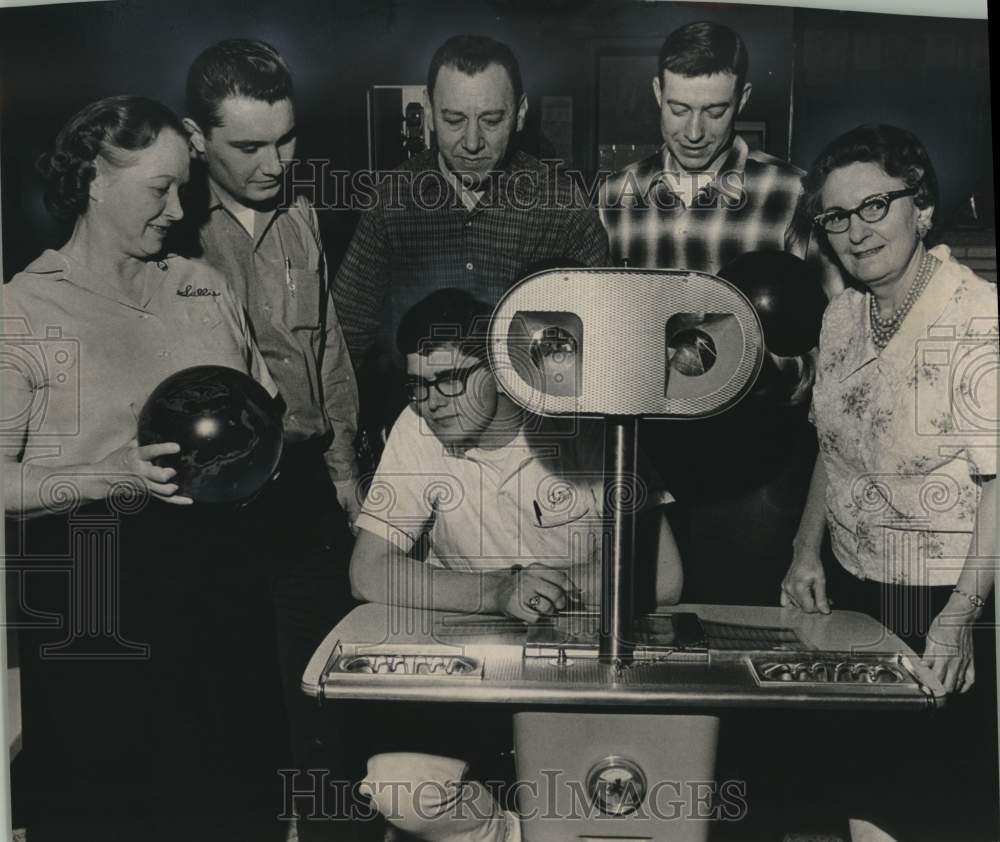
x,y
701,202
471,214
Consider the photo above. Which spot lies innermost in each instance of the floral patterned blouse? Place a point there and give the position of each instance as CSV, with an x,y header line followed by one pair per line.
x,y
907,433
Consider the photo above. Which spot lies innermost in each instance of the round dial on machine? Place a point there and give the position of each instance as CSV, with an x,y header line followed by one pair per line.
x,y
617,786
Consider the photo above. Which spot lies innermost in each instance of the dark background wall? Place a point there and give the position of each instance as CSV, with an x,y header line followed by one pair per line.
x,y
930,75
54,60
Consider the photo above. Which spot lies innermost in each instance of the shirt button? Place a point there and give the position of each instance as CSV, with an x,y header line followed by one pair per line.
x,y
468,223
163,354
468,266
287,361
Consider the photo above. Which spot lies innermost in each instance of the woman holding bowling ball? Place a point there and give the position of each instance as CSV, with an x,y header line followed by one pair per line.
x,y
138,616
900,521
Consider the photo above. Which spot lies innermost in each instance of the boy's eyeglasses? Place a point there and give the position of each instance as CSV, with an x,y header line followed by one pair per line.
x,y
449,383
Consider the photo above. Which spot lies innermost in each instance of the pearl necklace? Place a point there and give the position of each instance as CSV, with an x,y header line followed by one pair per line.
x,y
884,329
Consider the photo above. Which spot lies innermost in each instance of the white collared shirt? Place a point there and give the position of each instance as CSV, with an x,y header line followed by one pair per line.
x,y
488,509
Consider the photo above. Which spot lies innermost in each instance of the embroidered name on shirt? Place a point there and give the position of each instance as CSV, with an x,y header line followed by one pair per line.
x,y
191,291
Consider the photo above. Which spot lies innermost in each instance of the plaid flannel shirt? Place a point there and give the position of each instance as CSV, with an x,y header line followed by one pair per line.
x,y
418,237
749,204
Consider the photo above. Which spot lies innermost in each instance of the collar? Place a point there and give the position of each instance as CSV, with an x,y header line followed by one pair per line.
x,y
508,460
732,160
57,266
860,347
926,312
470,198
219,200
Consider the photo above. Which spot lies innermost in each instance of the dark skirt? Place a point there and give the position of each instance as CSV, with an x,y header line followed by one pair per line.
x,y
151,695
919,776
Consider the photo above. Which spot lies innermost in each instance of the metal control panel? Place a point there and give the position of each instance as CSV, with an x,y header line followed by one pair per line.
x,y
699,657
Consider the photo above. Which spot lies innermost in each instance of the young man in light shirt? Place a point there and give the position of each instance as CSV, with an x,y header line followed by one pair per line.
x,y
511,509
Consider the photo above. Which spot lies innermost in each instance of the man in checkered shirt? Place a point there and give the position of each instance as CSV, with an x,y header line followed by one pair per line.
x,y
472,214
702,201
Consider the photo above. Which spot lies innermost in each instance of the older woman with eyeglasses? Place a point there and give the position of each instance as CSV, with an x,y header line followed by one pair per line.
x,y
905,410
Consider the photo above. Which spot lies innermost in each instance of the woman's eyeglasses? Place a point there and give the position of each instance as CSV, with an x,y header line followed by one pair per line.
x,y
872,209
449,383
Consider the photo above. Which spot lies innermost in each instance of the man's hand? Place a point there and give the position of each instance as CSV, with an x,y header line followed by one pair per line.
x,y
533,592
804,585
349,499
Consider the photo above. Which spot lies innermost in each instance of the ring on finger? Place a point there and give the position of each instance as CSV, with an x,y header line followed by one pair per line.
x,y
534,602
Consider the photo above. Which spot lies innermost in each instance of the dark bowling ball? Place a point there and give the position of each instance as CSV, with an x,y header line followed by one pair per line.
x,y
787,295
228,431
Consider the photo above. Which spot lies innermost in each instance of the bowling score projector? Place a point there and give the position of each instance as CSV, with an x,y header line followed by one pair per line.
x,y
588,690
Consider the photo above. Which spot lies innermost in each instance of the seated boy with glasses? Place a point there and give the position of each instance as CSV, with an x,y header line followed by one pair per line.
x,y
510,505
506,509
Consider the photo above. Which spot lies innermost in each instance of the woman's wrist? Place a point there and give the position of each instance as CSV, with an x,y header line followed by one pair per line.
x,y
960,608
806,546
89,484
97,484
966,602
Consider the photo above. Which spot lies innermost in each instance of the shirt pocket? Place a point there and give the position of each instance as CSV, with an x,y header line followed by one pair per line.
x,y
560,537
305,289
559,501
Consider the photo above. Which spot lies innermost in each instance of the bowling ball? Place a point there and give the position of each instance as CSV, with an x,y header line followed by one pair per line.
x,y
228,430
787,295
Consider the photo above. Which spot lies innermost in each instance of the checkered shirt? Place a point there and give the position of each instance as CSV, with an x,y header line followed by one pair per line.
x,y
419,237
749,205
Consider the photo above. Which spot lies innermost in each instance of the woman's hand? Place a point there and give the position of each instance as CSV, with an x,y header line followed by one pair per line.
x,y
804,585
137,462
948,651
532,592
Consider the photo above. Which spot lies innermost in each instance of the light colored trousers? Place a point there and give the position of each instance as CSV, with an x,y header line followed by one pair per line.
x,y
430,797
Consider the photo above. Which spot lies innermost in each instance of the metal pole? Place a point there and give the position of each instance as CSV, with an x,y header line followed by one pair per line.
x,y
618,547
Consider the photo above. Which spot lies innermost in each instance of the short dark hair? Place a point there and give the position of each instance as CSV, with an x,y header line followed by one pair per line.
x,y
105,129
472,54
898,152
239,67
445,318
703,48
